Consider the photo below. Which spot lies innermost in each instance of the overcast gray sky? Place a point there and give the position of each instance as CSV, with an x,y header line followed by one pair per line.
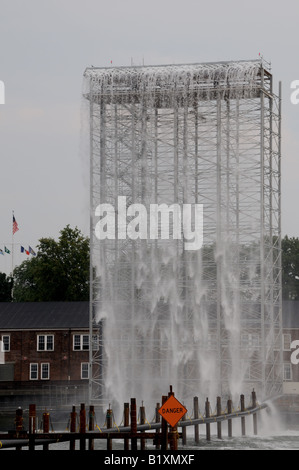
x,y
45,46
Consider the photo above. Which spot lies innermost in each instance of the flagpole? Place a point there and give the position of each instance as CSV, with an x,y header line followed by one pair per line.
x,y
12,245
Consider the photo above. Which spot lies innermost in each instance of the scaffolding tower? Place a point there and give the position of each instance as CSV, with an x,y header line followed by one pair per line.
x,y
207,320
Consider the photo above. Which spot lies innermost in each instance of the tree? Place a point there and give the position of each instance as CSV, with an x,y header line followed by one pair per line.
x,y
6,284
290,268
59,272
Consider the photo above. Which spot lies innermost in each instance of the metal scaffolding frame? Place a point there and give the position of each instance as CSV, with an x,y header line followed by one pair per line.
x,y
206,321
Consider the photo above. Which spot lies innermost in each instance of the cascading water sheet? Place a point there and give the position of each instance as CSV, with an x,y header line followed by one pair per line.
x,y
185,231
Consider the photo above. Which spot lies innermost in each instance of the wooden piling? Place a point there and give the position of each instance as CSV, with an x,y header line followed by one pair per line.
x,y
196,416
164,428
19,420
219,431
126,423
142,421
32,419
133,424
46,427
91,426
19,423
32,426
242,398
82,427
184,431
229,421
208,426
158,420
173,437
254,414
73,427
109,425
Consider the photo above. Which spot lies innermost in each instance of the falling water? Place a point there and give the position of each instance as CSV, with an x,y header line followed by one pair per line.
x,y
180,135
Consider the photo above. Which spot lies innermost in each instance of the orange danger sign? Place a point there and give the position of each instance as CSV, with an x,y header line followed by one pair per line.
x,y
172,411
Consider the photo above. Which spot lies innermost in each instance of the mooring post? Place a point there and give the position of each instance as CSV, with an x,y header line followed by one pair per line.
x,y
208,426
73,427
184,431
82,426
164,437
126,423
196,416
19,423
254,414
142,421
219,431
109,415
229,421
158,420
32,419
172,430
173,438
133,424
46,427
91,426
242,398
19,420
32,426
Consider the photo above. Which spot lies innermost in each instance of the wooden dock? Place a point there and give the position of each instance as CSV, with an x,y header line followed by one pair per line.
x,y
82,431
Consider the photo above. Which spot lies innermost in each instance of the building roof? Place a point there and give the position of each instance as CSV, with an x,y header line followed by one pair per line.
x,y
43,315
62,315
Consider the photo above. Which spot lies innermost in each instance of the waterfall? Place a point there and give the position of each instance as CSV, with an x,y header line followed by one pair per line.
x,y
179,136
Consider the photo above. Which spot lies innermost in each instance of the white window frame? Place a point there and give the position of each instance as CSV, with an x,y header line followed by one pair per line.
x,y
287,372
3,343
47,377
250,341
39,371
79,346
30,371
46,348
287,339
84,365
95,342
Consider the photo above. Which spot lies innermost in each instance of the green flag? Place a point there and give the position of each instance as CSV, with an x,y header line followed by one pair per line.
x,y
6,250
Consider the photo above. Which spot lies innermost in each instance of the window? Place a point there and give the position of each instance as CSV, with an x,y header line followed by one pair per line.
x,y
286,342
5,345
45,342
249,341
287,371
84,370
81,342
95,342
45,371
33,371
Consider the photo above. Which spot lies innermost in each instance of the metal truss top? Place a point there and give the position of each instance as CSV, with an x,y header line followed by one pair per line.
x,y
240,79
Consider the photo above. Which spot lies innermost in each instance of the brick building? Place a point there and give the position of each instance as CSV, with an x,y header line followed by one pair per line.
x,y
42,343
47,343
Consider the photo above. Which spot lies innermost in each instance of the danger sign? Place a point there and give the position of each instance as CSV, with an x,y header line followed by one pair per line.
x,y
172,411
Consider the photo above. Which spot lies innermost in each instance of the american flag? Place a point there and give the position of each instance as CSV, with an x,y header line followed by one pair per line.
x,y
15,227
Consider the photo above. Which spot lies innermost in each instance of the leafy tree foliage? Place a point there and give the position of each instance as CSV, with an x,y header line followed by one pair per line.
x,y
59,272
290,268
6,284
